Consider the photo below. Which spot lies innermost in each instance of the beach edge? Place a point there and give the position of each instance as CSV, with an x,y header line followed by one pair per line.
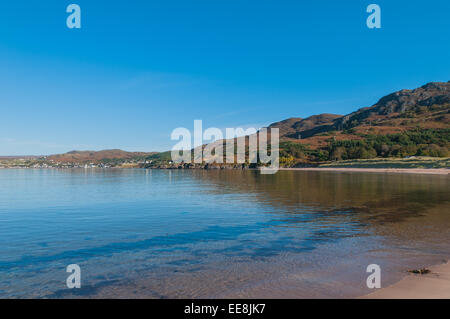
x,y
432,171
434,285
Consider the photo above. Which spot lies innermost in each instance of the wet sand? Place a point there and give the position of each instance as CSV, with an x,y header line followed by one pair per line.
x,y
434,171
434,285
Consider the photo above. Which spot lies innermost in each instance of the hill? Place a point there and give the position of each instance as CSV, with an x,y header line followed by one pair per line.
x,y
104,156
404,123
425,107
303,128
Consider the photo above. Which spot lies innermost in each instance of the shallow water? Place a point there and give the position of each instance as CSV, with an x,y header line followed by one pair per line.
x,y
211,234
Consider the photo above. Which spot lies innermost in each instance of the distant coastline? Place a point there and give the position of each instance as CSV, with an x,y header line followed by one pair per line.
x,y
413,164
428,171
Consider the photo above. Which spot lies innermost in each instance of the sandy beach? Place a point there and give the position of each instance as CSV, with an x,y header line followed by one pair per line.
x,y
434,285
434,171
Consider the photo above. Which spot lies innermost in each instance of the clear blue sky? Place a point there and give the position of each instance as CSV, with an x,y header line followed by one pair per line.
x,y
138,69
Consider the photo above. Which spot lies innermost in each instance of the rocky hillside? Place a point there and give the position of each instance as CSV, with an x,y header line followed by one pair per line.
x,y
426,107
298,128
426,98
429,102
404,123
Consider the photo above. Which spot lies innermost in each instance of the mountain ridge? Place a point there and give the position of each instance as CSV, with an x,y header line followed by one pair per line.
x,y
433,93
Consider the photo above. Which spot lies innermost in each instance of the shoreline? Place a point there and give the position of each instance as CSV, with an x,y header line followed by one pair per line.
x,y
434,171
429,171
435,285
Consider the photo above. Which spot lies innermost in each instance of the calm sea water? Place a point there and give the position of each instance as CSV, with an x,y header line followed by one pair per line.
x,y
211,234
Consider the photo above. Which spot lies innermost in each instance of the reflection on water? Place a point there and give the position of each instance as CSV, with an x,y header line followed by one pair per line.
x,y
164,234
